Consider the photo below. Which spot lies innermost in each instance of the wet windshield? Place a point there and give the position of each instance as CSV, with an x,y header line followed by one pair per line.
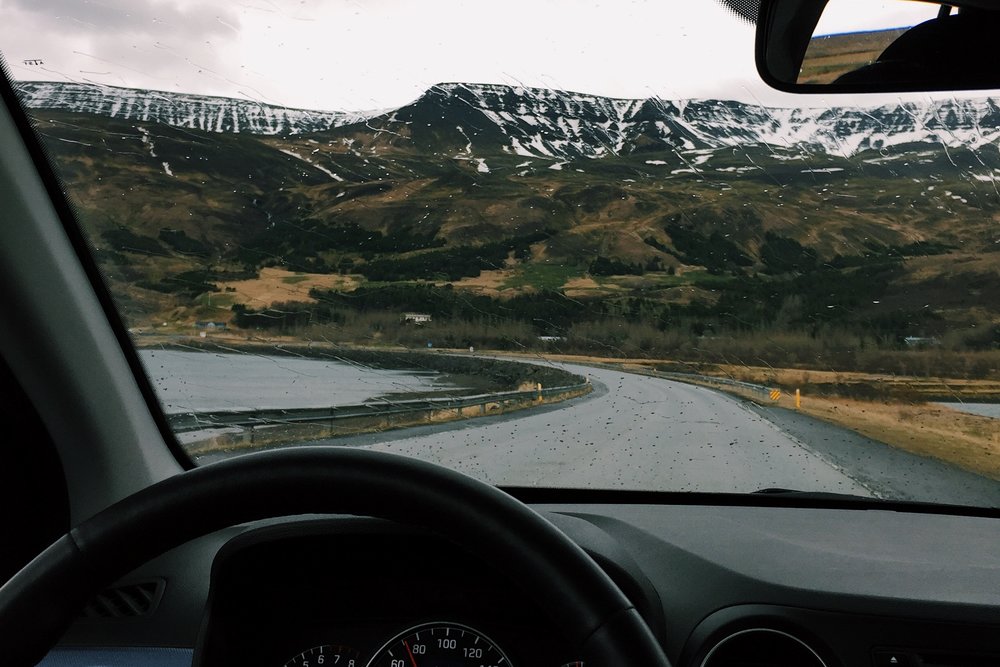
x,y
546,243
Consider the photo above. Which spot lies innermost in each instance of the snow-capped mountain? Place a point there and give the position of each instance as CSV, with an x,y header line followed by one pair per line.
x,y
482,119
546,123
198,112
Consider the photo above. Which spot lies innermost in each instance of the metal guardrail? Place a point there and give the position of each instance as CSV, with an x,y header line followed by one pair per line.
x,y
195,421
764,392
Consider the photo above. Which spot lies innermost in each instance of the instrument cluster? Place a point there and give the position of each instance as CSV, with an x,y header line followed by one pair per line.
x,y
426,645
360,593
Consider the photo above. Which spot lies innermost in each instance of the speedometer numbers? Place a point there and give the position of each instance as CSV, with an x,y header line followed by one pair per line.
x,y
327,655
440,645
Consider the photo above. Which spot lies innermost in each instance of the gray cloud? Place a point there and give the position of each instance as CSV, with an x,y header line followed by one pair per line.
x,y
137,17
142,43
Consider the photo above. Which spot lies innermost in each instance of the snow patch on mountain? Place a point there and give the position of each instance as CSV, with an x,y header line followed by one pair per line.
x,y
559,126
197,112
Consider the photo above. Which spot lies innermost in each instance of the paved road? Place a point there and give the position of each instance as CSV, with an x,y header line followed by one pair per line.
x,y
633,432
639,432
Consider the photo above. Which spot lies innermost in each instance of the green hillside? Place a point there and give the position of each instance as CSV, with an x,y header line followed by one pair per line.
x,y
650,253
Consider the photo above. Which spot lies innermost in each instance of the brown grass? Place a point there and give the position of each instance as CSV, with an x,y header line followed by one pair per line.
x,y
830,56
278,285
489,283
885,385
588,287
968,441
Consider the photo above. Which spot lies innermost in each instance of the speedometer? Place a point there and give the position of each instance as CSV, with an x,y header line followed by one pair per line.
x,y
327,655
440,645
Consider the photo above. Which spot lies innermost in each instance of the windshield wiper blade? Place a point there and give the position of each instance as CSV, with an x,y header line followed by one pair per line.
x,y
814,495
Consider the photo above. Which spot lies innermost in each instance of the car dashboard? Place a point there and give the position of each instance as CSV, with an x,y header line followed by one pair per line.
x,y
719,585
282,594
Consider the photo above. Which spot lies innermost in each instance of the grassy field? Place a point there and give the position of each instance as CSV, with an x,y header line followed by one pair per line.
x,y
830,56
543,276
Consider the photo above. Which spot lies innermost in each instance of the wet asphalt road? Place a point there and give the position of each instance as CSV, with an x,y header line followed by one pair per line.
x,y
640,432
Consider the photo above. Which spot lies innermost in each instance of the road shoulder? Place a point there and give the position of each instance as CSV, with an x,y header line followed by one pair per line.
x,y
890,472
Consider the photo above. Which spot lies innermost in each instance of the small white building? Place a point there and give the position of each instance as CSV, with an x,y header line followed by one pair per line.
x,y
416,318
921,341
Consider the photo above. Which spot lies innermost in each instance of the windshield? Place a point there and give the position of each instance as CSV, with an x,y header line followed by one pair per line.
x,y
546,243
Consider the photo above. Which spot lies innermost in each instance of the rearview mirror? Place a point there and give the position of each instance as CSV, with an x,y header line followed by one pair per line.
x,y
834,46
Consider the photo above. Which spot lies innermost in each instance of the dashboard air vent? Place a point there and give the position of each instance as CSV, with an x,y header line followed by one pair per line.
x,y
128,601
762,647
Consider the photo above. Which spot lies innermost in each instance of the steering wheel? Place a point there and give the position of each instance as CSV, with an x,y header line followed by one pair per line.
x,y
39,602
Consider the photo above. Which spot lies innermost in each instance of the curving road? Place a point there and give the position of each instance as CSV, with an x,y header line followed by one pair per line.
x,y
632,432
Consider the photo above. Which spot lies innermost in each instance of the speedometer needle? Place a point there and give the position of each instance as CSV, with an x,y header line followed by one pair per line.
x,y
412,659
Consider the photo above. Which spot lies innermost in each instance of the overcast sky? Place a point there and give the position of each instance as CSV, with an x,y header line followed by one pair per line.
x,y
374,54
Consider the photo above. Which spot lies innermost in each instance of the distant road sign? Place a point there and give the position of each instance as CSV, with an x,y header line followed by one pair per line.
x,y
775,394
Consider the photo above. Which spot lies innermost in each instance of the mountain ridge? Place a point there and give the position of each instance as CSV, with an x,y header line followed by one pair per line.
x,y
557,125
191,111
